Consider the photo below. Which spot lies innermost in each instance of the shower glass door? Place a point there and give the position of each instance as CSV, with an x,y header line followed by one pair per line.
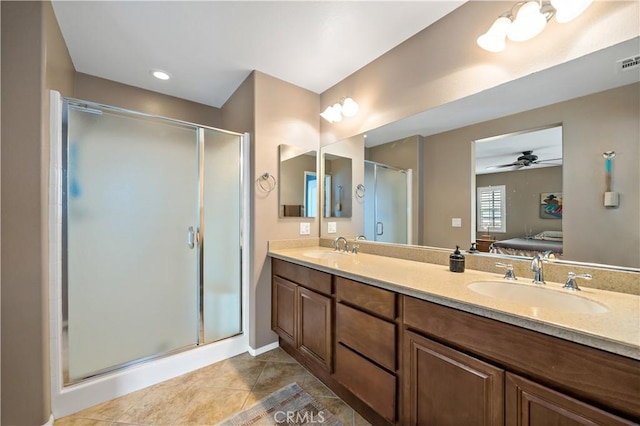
x,y
386,206
151,238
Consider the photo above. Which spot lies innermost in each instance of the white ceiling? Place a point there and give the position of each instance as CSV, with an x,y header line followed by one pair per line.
x,y
505,149
209,47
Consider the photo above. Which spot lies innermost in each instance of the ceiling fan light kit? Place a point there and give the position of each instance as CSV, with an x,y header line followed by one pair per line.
x,y
528,158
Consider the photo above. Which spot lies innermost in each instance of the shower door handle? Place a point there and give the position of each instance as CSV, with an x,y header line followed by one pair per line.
x,y
192,237
379,228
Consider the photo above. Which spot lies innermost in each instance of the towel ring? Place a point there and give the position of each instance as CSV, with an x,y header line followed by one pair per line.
x,y
360,190
266,182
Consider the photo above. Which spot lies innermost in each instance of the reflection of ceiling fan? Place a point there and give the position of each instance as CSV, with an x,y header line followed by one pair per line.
x,y
525,160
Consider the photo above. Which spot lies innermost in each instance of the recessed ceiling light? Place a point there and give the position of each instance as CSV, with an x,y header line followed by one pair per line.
x,y
160,75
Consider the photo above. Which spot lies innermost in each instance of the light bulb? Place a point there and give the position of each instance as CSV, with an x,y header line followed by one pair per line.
x,y
493,40
349,107
160,75
529,22
328,114
567,10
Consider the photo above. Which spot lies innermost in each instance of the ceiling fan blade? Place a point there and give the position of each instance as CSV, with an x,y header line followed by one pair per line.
x,y
547,160
502,166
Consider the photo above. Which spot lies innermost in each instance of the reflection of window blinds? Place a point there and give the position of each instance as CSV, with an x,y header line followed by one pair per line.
x,y
491,208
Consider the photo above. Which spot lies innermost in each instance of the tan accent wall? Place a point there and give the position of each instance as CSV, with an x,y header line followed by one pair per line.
x,y
592,124
523,189
274,112
404,154
442,63
95,89
35,60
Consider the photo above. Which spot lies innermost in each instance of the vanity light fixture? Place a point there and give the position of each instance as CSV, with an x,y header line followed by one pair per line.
x,y
160,75
347,107
527,19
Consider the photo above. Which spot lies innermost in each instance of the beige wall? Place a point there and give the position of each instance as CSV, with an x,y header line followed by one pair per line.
x,y
107,92
443,63
35,60
591,125
404,154
277,113
523,189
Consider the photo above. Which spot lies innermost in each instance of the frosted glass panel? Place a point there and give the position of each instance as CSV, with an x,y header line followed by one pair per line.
x,y
391,205
369,201
221,267
132,192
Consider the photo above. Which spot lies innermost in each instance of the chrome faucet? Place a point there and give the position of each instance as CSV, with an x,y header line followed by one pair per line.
x,y
354,248
536,266
361,237
509,275
571,283
336,244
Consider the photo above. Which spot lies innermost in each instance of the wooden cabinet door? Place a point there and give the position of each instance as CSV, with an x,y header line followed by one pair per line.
x,y
314,326
283,309
531,404
445,387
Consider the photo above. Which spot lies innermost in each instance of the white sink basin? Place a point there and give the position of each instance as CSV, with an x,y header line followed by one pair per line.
x,y
320,254
538,297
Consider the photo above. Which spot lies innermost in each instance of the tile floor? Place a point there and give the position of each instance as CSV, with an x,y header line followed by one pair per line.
x,y
210,394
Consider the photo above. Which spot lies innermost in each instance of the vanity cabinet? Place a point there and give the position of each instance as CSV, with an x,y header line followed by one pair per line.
x,y
301,314
531,404
365,342
448,387
469,365
401,360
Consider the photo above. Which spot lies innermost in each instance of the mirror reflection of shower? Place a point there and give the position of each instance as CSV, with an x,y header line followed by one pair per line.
x,y
387,203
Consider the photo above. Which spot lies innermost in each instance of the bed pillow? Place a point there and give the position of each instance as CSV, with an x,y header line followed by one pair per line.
x,y
549,236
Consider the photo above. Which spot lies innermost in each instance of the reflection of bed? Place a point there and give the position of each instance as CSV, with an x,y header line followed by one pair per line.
x,y
530,246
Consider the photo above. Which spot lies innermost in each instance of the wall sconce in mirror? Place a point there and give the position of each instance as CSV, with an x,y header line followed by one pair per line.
x,y
527,19
266,182
298,182
347,107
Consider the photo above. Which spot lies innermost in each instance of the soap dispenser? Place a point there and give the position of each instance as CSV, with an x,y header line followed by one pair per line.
x,y
456,261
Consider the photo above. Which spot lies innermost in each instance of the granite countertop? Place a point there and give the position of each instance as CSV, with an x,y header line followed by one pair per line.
x,y
617,330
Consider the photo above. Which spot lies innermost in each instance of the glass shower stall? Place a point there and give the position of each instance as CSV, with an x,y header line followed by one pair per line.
x,y
151,237
387,203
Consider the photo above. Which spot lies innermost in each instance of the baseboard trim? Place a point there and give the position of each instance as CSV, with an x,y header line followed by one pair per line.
x,y
263,349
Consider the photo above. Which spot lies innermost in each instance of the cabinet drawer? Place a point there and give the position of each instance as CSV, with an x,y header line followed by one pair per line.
x,y
369,298
368,335
370,383
306,277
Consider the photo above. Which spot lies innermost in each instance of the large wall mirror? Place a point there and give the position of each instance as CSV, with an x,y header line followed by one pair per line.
x,y
574,119
298,192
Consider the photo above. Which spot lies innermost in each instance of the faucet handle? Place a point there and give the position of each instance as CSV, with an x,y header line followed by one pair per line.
x,y
571,283
354,248
509,275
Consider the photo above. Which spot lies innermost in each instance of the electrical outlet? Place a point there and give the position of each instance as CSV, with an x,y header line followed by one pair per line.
x,y
331,228
305,228
456,222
